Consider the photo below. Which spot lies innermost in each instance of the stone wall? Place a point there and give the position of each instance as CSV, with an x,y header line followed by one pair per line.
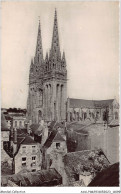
x,y
83,142
28,153
105,138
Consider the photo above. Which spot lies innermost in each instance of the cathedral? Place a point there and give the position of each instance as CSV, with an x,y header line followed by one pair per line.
x,y
47,96
47,81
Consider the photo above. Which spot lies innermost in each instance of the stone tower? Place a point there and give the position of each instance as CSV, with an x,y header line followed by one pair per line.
x,y
48,82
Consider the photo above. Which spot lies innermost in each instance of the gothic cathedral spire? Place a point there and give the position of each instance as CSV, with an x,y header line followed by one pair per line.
x,y
55,46
39,50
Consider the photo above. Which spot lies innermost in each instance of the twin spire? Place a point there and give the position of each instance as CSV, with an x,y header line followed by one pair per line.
x,y
54,54
55,47
39,50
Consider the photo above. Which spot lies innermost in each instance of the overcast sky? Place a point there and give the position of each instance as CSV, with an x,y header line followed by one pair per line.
x,y
88,33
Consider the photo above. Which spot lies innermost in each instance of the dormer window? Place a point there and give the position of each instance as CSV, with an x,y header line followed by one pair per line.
x,y
57,145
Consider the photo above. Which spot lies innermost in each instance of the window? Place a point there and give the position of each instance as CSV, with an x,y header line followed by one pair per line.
x,y
33,161
24,161
57,145
33,170
33,157
33,148
24,149
15,123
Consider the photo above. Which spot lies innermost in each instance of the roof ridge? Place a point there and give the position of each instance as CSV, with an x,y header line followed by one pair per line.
x,y
91,99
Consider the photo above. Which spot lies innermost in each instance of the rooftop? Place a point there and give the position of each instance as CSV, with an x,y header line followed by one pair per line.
x,y
22,139
48,177
76,103
34,127
78,162
107,178
54,136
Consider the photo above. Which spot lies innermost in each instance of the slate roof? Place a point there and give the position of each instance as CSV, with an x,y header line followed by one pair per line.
x,y
76,103
74,161
28,140
59,125
22,139
107,178
34,127
78,127
7,117
54,136
7,183
48,177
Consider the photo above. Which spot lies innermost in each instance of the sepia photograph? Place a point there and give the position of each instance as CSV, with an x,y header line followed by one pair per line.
x,y
60,94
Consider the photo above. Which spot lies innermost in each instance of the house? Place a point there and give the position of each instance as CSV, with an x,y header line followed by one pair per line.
x,y
84,165
24,151
19,121
28,155
5,131
39,132
53,151
5,134
40,178
54,143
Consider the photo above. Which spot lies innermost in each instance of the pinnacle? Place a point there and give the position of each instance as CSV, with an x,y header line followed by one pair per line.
x,y
46,58
63,56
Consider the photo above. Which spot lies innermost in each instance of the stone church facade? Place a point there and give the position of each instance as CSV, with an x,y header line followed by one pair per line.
x,y
47,81
92,110
47,96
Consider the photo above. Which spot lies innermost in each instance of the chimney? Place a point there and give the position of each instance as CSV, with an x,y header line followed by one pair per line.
x,y
14,140
11,133
15,136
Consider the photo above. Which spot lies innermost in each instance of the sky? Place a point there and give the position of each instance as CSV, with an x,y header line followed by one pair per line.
x,y
88,33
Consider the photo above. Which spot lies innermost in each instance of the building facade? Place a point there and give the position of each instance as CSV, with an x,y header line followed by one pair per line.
x,y
92,110
47,81
19,122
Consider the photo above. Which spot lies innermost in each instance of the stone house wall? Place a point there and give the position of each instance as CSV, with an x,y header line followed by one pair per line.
x,y
28,153
63,147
